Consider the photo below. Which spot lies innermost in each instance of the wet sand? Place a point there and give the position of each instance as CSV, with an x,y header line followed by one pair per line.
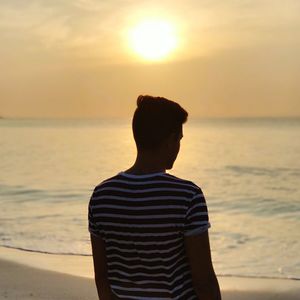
x,y
36,276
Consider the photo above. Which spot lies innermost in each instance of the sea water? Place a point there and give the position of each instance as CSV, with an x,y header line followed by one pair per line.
x,y
248,169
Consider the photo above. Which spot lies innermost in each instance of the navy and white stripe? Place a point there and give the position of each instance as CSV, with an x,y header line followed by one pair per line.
x,y
143,220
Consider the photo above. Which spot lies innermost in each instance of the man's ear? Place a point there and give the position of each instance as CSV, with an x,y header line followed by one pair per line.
x,y
171,139
174,136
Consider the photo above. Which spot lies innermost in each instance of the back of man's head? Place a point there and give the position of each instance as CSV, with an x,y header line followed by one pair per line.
x,y
155,118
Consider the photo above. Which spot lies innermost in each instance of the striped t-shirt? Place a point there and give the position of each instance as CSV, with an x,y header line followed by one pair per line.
x,y
143,220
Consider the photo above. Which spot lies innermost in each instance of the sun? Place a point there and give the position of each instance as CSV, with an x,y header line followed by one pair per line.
x,y
153,39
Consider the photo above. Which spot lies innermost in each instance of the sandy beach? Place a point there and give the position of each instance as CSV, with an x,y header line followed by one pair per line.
x,y
29,275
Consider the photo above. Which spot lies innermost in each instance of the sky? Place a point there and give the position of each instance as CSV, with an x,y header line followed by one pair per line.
x,y
73,59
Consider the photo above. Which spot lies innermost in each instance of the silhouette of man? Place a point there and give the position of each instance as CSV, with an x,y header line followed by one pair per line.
x,y
149,229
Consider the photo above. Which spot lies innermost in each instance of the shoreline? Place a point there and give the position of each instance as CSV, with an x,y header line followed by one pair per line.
x,y
35,276
76,265
52,261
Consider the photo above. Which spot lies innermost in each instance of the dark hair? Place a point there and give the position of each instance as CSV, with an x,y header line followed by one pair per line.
x,y
155,118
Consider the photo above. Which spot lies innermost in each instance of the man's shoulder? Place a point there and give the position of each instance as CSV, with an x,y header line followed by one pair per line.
x,y
183,181
173,180
107,180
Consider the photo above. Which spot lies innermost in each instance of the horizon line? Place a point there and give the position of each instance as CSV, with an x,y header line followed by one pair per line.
x,y
130,117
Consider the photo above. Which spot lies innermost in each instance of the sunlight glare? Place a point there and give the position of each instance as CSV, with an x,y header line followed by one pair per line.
x,y
153,39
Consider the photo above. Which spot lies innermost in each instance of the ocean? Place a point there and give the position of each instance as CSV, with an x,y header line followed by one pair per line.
x,y
248,170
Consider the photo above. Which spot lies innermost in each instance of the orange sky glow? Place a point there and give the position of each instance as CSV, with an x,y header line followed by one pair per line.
x,y
77,59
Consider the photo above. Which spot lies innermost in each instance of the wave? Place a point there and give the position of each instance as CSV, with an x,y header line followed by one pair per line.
x,y
259,206
259,277
24,193
44,252
263,171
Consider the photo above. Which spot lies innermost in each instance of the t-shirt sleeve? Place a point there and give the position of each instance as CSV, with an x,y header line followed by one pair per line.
x,y
93,227
196,219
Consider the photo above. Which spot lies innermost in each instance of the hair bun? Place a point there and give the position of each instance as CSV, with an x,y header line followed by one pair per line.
x,y
139,100
146,100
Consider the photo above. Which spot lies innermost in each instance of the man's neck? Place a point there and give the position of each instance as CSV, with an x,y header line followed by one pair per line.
x,y
147,162
140,170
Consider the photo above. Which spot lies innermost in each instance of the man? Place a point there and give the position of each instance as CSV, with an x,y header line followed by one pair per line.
x,y
149,229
